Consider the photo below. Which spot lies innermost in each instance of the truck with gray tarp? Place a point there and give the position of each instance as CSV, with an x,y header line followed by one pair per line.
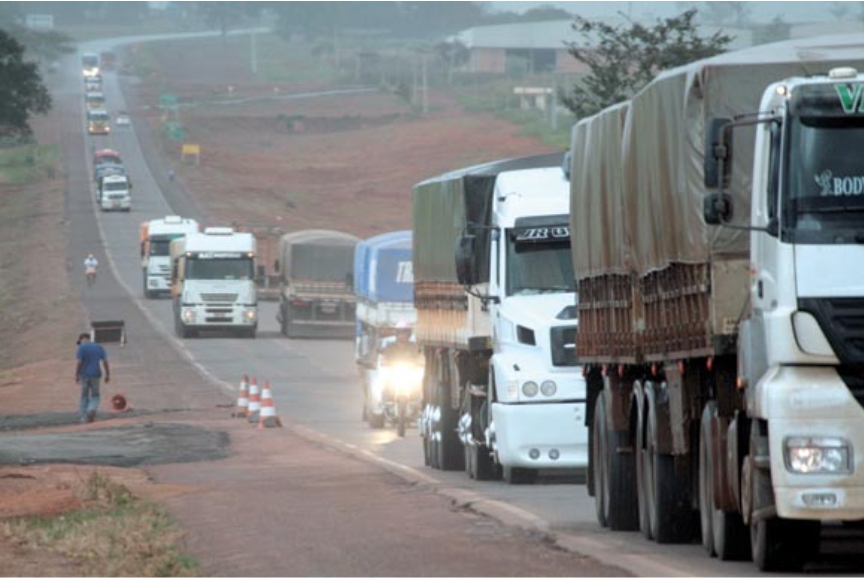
x,y
316,273
716,222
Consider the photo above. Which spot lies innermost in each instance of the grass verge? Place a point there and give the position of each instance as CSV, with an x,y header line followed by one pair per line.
x,y
113,534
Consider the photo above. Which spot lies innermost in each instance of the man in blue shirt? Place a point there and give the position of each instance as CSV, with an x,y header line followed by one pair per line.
x,y
88,372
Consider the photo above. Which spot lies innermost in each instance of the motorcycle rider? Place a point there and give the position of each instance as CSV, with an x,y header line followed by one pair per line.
x,y
399,350
90,264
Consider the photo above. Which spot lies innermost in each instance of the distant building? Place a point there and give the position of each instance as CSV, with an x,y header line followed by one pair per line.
x,y
538,47
39,21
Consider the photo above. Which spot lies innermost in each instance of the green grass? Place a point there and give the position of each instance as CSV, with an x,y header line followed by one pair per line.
x,y
28,163
114,534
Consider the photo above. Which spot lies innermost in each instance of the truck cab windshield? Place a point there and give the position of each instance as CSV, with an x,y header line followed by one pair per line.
x,y
535,266
234,269
118,186
825,179
161,247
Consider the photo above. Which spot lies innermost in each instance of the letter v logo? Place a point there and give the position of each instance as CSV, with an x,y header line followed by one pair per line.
x,y
849,95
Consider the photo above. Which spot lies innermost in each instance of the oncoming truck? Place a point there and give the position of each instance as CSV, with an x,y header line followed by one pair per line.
x,y
213,282
716,219
496,320
316,272
155,238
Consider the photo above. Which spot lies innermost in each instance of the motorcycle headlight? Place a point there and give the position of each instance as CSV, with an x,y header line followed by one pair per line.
x,y
818,455
530,389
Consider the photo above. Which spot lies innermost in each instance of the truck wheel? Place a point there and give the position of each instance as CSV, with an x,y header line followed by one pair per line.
x,y
598,450
669,494
622,513
449,448
519,476
589,474
783,545
643,472
725,530
483,467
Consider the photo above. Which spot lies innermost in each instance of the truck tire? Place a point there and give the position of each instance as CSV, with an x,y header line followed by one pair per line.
x,y
668,494
643,470
451,456
784,545
519,476
622,513
726,533
598,449
482,466
589,474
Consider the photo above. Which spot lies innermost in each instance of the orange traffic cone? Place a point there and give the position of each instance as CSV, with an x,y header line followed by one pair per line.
x,y
268,416
243,398
254,401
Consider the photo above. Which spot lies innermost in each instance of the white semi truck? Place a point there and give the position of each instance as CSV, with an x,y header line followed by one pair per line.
x,y
114,192
213,282
155,242
502,394
722,333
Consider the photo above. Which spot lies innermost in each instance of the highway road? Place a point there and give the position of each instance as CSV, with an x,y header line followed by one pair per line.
x,y
315,383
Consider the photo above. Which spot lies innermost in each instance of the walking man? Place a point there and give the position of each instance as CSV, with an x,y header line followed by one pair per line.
x,y
88,372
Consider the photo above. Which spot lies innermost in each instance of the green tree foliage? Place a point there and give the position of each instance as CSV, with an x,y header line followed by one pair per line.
x,y
21,90
624,58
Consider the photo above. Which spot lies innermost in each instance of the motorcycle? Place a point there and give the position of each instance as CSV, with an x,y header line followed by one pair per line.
x,y
403,387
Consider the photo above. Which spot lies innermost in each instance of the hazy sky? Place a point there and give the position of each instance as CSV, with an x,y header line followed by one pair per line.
x,y
791,12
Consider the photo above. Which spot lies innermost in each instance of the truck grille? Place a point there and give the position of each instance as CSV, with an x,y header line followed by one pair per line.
x,y
563,345
219,297
842,321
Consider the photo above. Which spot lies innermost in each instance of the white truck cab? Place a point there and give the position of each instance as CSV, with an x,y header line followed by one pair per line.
x,y
156,236
213,282
114,193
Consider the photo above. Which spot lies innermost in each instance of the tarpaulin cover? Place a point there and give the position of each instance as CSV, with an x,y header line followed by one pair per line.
x,y
661,157
443,206
317,255
382,268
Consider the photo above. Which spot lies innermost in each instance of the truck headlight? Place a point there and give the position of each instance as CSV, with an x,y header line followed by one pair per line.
x,y
251,314
548,388
530,389
818,455
188,315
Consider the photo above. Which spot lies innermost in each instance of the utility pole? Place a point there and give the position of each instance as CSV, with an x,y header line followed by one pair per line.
x,y
425,88
253,49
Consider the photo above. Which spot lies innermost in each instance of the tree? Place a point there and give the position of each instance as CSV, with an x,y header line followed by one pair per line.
x,y
622,59
21,90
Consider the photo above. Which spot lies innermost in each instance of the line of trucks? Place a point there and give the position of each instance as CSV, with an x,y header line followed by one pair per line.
x,y
678,304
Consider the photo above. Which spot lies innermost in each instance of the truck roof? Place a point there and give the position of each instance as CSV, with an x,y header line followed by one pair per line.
x,y
493,168
172,225
395,245
531,192
648,155
231,242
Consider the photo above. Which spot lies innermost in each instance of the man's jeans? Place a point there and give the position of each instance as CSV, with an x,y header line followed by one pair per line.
x,y
89,397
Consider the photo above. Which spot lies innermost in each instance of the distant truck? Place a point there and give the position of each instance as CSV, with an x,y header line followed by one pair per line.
x,y
213,282
504,395
316,272
98,122
717,247
114,192
155,242
89,64
384,287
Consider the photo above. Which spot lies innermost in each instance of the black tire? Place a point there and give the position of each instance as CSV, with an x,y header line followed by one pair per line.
x,y
598,450
400,419
519,476
784,545
622,508
727,532
643,470
483,467
451,456
589,474
672,520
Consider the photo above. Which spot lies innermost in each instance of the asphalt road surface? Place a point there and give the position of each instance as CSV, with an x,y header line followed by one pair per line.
x,y
315,383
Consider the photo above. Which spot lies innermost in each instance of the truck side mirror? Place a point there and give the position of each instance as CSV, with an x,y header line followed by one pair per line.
x,y
465,249
718,149
717,208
